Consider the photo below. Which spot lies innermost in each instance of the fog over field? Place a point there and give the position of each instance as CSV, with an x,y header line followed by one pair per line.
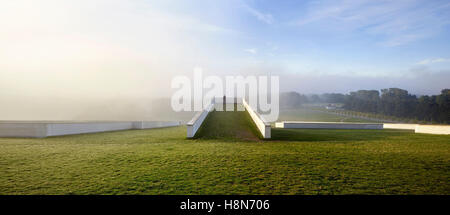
x,y
115,59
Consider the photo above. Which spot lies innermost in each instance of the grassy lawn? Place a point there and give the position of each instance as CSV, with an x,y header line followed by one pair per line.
x,y
313,115
162,161
234,125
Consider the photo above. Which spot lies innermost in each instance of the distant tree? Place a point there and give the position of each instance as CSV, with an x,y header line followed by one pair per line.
x,y
333,97
394,102
398,102
363,100
443,103
292,100
314,98
425,106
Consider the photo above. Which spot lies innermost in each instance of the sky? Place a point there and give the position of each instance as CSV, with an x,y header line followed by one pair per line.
x,y
54,50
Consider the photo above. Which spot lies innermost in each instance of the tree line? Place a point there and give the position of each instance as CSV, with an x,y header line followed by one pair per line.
x,y
390,102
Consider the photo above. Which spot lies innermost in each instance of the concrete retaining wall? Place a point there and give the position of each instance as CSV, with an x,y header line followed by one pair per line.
x,y
328,125
23,129
433,129
262,125
59,129
279,125
426,129
154,124
197,121
399,126
47,129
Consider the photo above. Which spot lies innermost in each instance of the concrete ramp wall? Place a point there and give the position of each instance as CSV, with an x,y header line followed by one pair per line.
x,y
47,129
262,125
197,121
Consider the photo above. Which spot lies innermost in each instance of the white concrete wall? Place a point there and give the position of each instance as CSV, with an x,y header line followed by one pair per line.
x,y
426,129
279,125
328,125
433,129
23,129
58,129
197,121
262,125
399,126
46,129
154,124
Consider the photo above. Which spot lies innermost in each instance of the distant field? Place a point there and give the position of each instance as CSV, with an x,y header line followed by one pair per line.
x,y
162,161
313,115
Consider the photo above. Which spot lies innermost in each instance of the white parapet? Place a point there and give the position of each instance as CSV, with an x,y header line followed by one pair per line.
x,y
41,129
197,121
261,124
279,125
426,129
154,124
23,129
58,129
433,129
399,126
328,125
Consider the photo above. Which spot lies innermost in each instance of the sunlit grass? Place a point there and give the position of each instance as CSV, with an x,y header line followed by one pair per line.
x,y
163,161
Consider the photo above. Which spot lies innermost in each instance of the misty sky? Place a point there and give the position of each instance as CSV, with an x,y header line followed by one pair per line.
x,y
112,48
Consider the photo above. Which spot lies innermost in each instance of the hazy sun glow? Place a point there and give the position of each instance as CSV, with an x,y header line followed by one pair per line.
x,y
66,55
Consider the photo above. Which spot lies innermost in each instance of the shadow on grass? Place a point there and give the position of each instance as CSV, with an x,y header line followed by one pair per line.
x,y
334,134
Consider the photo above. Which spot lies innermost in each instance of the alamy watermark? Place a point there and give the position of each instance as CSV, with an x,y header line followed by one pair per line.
x,y
260,92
